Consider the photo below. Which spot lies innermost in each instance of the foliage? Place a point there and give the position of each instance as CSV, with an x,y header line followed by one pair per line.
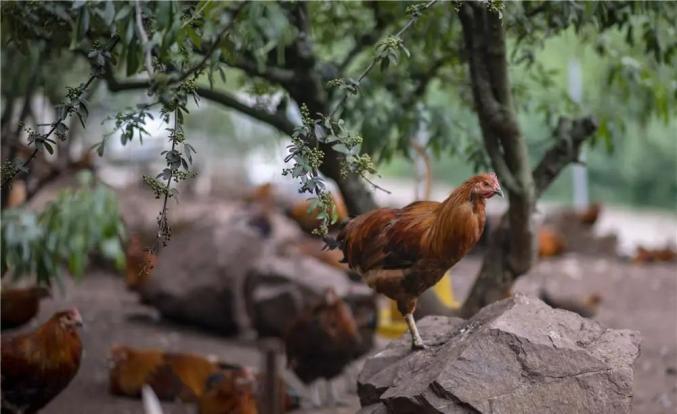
x,y
75,104
64,234
270,49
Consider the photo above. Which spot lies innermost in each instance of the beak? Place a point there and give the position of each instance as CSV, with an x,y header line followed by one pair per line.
x,y
499,192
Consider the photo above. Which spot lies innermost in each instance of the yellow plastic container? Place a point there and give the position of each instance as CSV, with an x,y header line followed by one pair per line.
x,y
391,322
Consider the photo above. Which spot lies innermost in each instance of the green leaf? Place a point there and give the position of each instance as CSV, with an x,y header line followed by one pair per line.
x,y
109,12
193,36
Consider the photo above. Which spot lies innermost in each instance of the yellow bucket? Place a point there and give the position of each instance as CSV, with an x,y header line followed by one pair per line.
x,y
391,322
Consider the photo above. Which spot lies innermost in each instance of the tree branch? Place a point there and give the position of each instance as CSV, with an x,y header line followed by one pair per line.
x,y
278,121
272,74
491,115
208,54
570,134
143,37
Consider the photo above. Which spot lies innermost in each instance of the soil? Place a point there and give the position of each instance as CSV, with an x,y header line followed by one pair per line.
x,y
643,298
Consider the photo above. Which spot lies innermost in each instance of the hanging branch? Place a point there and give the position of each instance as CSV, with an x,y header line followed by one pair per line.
x,y
309,139
390,42
75,105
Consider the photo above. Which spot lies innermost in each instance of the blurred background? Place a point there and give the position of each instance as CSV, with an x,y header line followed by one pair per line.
x,y
241,262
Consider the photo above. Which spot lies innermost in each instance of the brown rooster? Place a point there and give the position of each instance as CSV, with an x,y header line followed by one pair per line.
x,y
140,263
402,252
550,242
170,375
38,365
20,305
229,392
306,217
323,340
586,307
588,216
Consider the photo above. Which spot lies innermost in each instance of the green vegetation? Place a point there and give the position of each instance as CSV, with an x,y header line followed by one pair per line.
x,y
70,229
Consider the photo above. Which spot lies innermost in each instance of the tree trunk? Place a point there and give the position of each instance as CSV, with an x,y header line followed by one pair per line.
x,y
511,251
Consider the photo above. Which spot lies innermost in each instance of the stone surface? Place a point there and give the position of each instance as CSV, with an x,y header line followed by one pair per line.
x,y
200,275
280,287
229,273
515,356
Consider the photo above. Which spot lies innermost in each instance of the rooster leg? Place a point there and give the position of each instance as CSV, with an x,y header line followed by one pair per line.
x,y
416,340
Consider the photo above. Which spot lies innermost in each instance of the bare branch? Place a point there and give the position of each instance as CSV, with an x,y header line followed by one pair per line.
x,y
278,121
143,36
364,74
208,54
570,135
270,73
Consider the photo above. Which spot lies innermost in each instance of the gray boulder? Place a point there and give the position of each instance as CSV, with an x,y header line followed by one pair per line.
x,y
515,356
279,288
200,275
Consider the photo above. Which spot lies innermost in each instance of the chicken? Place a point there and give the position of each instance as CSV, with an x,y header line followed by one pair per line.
x,y
322,340
17,194
229,392
38,365
306,217
20,305
589,216
644,255
550,242
140,263
402,252
308,246
587,307
170,375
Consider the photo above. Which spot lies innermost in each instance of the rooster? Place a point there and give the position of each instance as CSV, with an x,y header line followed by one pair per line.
x,y
20,305
140,263
402,252
37,366
323,340
229,392
586,307
170,375
550,242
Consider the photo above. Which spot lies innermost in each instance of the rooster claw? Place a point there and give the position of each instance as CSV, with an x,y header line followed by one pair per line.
x,y
418,347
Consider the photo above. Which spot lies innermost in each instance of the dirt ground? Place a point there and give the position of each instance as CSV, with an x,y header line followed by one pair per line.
x,y
641,298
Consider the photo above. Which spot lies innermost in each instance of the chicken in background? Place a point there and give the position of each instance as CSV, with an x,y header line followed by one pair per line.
x,y
140,263
586,307
20,305
403,252
550,242
38,365
315,248
17,194
590,215
644,255
229,392
322,341
306,217
171,375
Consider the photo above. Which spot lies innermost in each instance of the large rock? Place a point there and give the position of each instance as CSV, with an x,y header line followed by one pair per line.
x,y
280,287
200,275
229,274
515,356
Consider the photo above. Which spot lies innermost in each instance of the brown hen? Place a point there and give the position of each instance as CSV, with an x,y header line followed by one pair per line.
x,y
170,375
20,305
402,252
37,366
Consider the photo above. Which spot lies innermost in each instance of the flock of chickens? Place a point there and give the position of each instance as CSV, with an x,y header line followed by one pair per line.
x,y
399,253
